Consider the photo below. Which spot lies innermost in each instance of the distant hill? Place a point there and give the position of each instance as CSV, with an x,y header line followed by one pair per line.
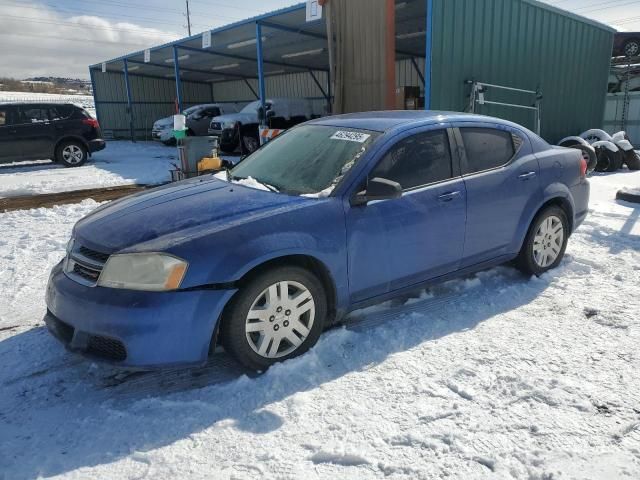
x,y
69,86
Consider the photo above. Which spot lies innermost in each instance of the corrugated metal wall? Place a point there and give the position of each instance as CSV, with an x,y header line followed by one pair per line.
x,y
152,98
523,45
613,115
299,85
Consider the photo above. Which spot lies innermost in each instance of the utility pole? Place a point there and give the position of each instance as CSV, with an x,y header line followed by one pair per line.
x,y
188,19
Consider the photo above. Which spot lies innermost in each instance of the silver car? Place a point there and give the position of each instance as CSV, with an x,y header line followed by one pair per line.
x,y
198,120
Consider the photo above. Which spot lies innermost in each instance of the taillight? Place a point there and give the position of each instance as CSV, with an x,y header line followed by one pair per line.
x,y
92,122
584,166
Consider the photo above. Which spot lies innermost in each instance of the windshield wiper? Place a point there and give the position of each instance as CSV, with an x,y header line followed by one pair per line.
x,y
266,185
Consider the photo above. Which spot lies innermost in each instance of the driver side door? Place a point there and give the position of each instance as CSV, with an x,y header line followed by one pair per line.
x,y
398,243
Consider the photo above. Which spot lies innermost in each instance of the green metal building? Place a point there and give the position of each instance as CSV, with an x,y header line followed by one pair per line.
x,y
441,45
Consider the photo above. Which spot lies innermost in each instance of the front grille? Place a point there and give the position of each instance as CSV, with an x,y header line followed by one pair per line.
x,y
86,273
84,265
106,348
93,255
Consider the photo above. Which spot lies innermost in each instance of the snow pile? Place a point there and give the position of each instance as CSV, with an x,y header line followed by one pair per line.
x,y
121,163
493,376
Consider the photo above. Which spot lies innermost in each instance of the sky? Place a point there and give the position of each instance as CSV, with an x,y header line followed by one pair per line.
x,y
63,37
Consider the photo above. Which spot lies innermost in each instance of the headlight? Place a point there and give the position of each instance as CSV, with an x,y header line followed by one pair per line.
x,y
229,125
154,272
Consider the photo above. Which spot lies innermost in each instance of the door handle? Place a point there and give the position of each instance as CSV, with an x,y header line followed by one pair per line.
x,y
13,131
527,176
447,197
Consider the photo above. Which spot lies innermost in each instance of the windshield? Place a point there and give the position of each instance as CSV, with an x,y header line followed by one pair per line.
x,y
309,159
251,108
191,110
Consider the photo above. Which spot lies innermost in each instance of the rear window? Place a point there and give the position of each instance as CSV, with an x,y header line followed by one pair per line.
x,y
487,148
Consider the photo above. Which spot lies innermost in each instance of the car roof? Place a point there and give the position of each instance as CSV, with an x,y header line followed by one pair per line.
x,y
383,121
44,102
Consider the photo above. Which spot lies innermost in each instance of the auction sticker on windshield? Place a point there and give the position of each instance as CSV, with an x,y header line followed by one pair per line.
x,y
351,136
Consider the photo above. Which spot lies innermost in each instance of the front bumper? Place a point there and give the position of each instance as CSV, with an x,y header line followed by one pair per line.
x,y
132,328
162,135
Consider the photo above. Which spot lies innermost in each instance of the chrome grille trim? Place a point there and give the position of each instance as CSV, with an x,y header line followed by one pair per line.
x,y
84,265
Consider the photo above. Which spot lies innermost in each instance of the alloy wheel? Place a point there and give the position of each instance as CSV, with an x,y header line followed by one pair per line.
x,y
280,319
548,241
72,154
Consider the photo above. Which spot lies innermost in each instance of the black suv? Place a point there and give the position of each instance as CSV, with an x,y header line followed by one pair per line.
x,y
64,133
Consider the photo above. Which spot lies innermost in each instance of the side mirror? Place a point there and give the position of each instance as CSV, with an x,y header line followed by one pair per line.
x,y
377,189
270,114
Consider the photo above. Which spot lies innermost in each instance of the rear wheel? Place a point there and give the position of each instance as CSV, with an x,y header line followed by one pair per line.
x,y
277,315
632,48
546,242
71,153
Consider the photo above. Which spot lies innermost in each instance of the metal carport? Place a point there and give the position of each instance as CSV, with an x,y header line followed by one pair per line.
x,y
276,54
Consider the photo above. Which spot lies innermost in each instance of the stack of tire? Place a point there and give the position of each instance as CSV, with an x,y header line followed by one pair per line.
x,y
604,152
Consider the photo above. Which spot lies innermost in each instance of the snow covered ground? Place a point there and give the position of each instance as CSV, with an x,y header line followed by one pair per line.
x,y
121,163
494,376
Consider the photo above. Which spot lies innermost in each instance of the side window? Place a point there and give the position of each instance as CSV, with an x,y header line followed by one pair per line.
x,y
34,115
60,112
417,160
487,148
211,112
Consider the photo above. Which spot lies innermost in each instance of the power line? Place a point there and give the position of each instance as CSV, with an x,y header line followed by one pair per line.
x,y
91,27
118,43
188,18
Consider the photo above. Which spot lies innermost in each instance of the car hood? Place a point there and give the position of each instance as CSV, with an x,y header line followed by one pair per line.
x,y
164,122
236,117
175,213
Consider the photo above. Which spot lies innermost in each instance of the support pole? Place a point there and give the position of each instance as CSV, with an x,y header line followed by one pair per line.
x,y
176,69
428,60
127,85
390,67
92,74
261,86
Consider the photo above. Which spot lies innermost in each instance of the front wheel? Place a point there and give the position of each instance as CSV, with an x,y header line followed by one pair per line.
x,y
632,48
71,153
250,143
277,315
545,243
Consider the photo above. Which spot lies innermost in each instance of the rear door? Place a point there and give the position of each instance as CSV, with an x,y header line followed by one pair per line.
x,y
501,177
35,132
10,146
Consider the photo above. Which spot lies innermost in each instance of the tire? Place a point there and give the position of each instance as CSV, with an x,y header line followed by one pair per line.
x,y
250,143
632,160
632,196
631,48
254,348
537,257
608,161
588,154
71,153
595,135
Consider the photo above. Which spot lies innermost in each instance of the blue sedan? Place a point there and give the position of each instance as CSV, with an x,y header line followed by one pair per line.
x,y
333,215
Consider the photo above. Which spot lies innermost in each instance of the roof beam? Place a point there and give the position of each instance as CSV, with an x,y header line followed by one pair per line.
x,y
284,28
192,70
250,59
